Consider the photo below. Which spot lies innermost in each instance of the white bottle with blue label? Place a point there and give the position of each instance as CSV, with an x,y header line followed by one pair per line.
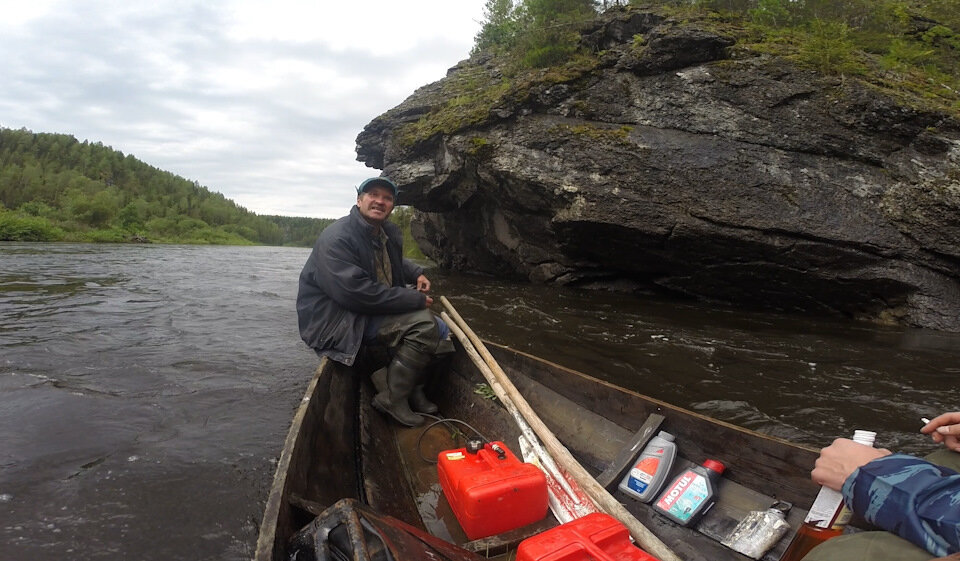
x,y
650,470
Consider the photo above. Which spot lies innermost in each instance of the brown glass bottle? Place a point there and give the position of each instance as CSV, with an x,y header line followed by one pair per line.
x,y
827,517
807,537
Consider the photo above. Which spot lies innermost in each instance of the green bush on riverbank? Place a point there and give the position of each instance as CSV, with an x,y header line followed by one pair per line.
x,y
18,227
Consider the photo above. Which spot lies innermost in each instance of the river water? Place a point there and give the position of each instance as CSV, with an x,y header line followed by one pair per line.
x,y
145,391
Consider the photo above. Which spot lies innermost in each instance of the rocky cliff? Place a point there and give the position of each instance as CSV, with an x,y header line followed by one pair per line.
x,y
678,162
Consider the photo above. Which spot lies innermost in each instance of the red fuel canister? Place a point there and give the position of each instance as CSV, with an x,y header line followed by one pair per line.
x,y
595,537
490,490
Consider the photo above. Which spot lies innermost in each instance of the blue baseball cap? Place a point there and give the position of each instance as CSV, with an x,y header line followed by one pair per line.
x,y
378,182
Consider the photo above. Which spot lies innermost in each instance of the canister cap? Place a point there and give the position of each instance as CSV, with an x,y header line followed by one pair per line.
x,y
714,465
864,437
666,436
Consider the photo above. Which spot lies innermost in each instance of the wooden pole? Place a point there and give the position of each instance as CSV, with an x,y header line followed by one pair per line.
x,y
644,537
568,501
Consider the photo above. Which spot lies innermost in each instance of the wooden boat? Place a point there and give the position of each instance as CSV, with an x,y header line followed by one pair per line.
x,y
338,447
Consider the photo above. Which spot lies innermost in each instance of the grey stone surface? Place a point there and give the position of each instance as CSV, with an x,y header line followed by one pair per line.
x,y
689,166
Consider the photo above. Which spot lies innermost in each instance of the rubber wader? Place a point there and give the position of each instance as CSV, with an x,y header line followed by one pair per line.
x,y
403,374
418,399
419,402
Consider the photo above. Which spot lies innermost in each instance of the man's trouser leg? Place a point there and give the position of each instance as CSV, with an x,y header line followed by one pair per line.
x,y
415,337
880,545
873,546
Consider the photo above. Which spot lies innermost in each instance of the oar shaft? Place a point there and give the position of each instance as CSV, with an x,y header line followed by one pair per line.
x,y
644,537
546,460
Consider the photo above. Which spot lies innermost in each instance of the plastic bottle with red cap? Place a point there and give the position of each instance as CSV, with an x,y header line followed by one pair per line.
x,y
651,469
691,494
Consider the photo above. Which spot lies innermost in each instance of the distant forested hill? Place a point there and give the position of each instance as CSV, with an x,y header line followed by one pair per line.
x,y
299,231
53,187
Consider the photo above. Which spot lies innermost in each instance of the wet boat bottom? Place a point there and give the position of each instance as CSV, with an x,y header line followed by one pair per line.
x,y
419,447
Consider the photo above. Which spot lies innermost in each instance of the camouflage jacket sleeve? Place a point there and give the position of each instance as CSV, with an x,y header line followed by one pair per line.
x,y
915,499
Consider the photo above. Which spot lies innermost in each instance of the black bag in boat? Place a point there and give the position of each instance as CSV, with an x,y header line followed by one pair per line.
x,y
350,531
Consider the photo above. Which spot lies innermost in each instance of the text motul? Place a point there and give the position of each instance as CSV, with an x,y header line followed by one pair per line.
x,y
677,490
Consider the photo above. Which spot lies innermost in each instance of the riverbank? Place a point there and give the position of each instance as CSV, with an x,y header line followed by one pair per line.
x,y
21,227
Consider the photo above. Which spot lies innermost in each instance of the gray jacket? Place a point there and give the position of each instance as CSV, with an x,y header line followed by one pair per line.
x,y
339,290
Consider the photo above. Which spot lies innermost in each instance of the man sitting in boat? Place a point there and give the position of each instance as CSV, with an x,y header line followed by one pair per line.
x,y
914,498
353,291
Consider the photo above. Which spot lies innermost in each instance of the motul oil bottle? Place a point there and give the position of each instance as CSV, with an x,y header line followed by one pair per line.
x,y
691,494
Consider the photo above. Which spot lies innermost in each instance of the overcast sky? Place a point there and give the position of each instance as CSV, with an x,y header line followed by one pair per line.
x,y
259,100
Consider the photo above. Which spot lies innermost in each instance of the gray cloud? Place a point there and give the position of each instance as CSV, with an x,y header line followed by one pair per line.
x,y
269,121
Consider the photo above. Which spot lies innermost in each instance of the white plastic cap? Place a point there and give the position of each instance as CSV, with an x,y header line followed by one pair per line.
x,y
666,436
864,437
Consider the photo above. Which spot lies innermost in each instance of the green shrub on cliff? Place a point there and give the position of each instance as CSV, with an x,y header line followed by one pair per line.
x,y
401,216
537,33
909,35
909,46
499,28
468,97
830,50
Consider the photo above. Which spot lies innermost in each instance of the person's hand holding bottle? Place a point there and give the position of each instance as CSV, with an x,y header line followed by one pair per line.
x,y
840,459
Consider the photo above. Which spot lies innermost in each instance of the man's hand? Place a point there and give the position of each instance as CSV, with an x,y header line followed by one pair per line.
x,y
840,459
945,429
423,284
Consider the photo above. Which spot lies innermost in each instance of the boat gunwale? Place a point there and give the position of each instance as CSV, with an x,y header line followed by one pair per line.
x,y
652,400
267,538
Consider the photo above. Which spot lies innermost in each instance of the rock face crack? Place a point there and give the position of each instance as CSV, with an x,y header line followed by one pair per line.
x,y
801,237
675,168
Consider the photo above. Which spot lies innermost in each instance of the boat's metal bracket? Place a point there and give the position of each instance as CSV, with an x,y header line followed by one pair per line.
x,y
361,545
